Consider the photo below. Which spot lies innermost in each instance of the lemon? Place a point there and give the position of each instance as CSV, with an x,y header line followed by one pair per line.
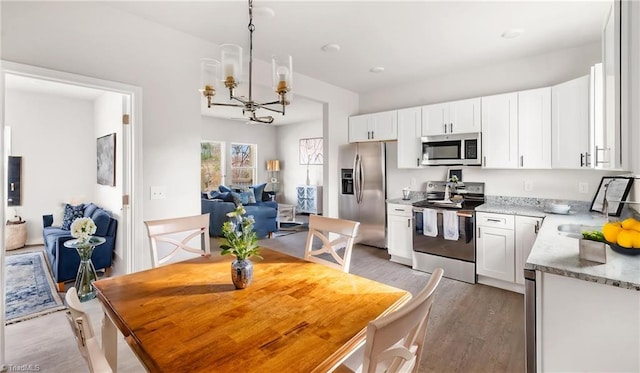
x,y
625,238
610,231
629,223
635,239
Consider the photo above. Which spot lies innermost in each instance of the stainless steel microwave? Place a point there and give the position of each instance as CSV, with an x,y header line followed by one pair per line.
x,y
458,149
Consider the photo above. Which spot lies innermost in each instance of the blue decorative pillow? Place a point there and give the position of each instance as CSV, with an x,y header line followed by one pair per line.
x,y
71,213
257,191
237,198
214,194
248,197
224,189
102,219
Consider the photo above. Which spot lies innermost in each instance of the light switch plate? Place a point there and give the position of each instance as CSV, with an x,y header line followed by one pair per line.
x,y
528,186
583,187
158,192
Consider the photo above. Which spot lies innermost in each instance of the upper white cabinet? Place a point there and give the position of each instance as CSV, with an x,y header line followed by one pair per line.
x,y
374,127
500,131
451,117
409,144
570,124
534,128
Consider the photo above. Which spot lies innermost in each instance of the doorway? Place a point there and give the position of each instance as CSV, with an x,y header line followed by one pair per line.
x,y
126,198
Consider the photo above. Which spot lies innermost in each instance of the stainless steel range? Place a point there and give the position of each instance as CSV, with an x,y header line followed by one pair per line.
x,y
437,215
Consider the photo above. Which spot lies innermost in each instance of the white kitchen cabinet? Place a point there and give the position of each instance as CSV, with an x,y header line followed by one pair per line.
x,y
570,124
374,127
400,233
453,117
495,246
500,131
309,199
534,128
526,232
409,132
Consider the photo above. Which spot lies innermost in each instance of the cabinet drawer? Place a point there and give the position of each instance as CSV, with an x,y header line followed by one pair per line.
x,y
399,210
495,220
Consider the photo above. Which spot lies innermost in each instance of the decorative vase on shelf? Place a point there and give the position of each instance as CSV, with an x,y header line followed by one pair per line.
x,y
86,274
241,273
241,241
308,178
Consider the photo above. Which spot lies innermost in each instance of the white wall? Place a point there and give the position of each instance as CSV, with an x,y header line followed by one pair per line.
x,y
292,172
108,119
509,76
54,136
230,131
92,39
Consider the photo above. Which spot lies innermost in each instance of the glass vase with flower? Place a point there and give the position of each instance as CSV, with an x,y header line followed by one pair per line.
x,y
241,241
82,230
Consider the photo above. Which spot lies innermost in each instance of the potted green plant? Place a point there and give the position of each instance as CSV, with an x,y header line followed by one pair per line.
x,y
241,241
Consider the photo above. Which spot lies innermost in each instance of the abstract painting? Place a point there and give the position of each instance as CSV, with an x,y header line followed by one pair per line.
x,y
106,158
311,151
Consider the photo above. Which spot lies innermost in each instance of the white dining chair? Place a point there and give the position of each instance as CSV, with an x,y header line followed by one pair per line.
x,y
165,231
329,254
83,332
394,342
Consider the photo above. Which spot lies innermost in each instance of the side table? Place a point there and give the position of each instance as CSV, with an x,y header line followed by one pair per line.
x,y
286,213
86,271
15,234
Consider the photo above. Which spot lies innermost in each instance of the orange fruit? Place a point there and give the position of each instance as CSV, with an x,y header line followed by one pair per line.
x,y
635,239
629,223
625,238
610,231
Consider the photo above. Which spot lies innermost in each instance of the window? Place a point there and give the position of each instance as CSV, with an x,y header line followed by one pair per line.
x,y
243,164
211,165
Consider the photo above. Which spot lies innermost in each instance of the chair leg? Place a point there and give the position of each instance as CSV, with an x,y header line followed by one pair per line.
x,y
270,235
60,286
107,272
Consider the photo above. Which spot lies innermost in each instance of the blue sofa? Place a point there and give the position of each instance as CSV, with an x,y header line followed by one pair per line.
x,y
65,261
264,211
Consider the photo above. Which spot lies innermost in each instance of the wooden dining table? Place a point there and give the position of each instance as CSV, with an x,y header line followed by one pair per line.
x,y
296,316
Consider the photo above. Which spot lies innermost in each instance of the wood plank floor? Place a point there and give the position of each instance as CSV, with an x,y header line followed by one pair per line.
x,y
473,328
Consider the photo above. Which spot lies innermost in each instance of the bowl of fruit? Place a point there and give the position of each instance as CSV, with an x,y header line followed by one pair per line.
x,y
623,237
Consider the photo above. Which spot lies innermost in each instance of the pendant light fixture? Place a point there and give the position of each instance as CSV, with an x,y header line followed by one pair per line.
x,y
229,72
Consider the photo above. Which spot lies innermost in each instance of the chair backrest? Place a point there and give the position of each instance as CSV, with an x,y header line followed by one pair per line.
x,y
322,227
396,340
83,332
165,230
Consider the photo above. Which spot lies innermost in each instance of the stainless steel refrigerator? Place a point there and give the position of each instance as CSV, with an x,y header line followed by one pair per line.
x,y
363,190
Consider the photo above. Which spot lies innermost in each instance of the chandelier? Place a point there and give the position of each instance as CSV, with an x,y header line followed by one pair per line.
x,y
229,72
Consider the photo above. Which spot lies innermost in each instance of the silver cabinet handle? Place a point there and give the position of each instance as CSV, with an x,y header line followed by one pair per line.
x,y
478,232
408,223
494,220
581,159
536,229
399,209
445,128
484,161
417,161
522,161
587,159
450,127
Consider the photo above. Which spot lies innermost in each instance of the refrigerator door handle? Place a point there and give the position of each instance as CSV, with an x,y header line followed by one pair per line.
x,y
356,177
360,179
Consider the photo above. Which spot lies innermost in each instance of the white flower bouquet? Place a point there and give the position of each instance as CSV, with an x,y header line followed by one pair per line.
x,y
82,229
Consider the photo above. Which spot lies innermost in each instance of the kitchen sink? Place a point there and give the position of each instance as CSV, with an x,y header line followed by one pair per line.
x,y
575,230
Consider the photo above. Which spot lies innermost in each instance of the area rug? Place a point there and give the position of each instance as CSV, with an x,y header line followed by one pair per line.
x,y
30,288
291,228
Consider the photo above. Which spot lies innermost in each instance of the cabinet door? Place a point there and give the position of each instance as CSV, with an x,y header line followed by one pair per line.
x,y
570,124
359,130
302,199
434,118
399,237
464,116
384,126
500,131
495,253
311,200
534,128
409,132
526,233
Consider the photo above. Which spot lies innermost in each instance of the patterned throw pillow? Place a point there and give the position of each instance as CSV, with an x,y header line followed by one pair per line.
x,y
237,199
71,213
247,197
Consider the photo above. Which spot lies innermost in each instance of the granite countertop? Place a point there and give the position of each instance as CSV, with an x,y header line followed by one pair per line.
x,y
558,254
400,201
498,208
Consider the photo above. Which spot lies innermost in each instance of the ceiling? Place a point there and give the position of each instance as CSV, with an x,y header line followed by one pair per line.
x,y
410,39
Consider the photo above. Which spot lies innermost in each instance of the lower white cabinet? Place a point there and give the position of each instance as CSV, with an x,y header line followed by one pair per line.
x,y
309,199
399,233
503,243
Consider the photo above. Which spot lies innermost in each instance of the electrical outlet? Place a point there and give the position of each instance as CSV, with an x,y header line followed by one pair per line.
x,y
528,186
583,187
413,181
158,192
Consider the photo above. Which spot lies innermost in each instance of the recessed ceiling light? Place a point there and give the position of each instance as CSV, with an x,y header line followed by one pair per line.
x,y
264,11
331,48
377,69
512,33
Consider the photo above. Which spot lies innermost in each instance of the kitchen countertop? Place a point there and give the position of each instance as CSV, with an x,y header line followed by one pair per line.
x,y
511,210
400,201
558,254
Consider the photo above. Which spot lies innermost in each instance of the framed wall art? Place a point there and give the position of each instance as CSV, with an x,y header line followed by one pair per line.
x,y
311,151
106,160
